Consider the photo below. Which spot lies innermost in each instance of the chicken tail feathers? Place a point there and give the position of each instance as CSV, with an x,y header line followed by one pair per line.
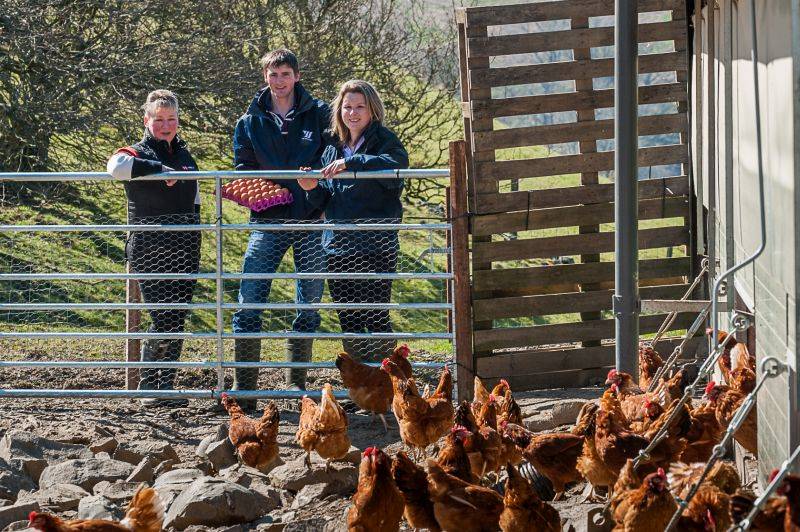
x,y
145,512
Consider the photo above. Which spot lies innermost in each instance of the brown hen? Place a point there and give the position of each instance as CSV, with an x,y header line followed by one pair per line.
x,y
524,510
413,484
727,402
647,507
649,363
323,427
145,514
377,503
461,506
422,421
256,441
554,455
368,386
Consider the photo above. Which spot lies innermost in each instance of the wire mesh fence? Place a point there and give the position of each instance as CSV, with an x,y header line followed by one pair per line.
x,y
74,272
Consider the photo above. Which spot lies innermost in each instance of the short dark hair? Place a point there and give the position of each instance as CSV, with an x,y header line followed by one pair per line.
x,y
280,57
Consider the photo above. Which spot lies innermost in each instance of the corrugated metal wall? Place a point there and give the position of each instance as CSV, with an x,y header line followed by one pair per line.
x,y
770,286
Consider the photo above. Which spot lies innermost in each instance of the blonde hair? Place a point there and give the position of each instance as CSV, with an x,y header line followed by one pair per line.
x,y
160,98
374,104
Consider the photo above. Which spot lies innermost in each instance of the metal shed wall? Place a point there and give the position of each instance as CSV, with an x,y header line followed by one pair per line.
x,y
770,286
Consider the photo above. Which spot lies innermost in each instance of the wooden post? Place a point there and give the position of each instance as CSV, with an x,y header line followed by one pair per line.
x,y
449,245
133,320
587,178
461,285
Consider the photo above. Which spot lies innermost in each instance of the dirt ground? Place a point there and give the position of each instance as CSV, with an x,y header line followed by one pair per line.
x,y
74,420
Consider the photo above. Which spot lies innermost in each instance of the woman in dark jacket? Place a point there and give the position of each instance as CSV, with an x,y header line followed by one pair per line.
x,y
154,203
360,142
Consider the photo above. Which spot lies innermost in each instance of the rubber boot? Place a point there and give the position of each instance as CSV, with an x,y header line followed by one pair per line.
x,y
149,377
298,350
378,349
160,379
172,353
351,347
246,350
166,380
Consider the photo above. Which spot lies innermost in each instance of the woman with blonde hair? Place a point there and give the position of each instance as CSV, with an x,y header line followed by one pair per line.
x,y
167,202
360,142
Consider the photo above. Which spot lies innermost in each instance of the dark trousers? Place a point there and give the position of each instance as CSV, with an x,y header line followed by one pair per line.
x,y
164,252
362,291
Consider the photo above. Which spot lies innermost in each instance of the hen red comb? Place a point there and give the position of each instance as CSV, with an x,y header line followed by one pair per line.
x,y
710,386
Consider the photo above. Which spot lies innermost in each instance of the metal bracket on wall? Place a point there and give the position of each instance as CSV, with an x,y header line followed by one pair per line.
x,y
680,305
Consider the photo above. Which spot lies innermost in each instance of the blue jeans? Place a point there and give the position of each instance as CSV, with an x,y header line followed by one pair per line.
x,y
264,254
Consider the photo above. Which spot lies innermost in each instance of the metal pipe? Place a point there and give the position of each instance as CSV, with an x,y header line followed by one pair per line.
x,y
435,173
220,292
225,306
397,276
230,336
227,227
626,142
164,394
68,364
762,212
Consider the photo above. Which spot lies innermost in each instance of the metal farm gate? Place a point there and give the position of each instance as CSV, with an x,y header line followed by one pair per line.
x,y
537,98
68,303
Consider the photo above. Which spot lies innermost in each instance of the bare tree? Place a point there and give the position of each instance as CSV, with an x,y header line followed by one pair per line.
x,y
73,74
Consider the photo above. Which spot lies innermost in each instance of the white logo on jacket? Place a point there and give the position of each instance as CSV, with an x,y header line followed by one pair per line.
x,y
307,135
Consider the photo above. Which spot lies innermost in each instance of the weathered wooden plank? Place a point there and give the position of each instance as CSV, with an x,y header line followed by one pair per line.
x,y
570,164
580,378
569,101
556,246
535,12
523,43
665,187
568,70
575,132
593,272
543,361
544,305
566,332
490,224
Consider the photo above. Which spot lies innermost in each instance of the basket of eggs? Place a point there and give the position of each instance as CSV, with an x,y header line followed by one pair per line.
x,y
256,194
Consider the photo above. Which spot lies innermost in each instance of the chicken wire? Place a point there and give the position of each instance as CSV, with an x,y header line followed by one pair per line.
x,y
63,294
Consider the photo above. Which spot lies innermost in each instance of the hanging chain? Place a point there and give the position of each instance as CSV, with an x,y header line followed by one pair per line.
x,y
770,367
670,319
660,372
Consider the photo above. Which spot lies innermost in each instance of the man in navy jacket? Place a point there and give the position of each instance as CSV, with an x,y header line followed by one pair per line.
x,y
281,130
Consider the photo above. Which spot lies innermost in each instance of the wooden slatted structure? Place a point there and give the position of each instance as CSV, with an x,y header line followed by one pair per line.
x,y
538,103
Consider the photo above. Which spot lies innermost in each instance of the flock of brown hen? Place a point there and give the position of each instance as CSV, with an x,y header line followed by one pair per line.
x,y
476,441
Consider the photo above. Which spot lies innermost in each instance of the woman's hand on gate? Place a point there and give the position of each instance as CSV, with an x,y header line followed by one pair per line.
x,y
336,167
307,183
165,168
